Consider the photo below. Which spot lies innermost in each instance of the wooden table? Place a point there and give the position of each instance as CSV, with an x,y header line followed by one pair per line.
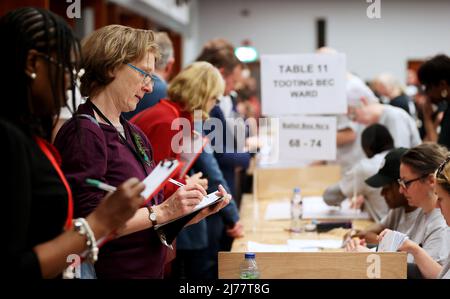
x,y
276,185
276,232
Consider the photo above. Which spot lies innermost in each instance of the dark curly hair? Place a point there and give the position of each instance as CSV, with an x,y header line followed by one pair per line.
x,y
22,30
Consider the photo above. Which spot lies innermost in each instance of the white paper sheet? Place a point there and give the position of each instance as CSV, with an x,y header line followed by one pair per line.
x,y
322,244
278,211
307,245
314,207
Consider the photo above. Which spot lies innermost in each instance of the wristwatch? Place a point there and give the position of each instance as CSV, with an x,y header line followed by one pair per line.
x,y
152,215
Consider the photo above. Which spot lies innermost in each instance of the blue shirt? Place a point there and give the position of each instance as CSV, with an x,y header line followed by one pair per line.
x,y
196,236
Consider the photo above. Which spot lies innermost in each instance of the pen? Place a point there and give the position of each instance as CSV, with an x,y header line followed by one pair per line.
x,y
176,183
101,185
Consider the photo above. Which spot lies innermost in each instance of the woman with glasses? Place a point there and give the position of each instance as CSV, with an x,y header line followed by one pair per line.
x,y
428,240
194,90
40,232
98,143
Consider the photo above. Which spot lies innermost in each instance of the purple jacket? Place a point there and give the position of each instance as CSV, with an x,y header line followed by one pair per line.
x,y
94,150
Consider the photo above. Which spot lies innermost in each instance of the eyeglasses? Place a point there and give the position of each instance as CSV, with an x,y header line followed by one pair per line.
x,y
148,79
54,61
76,74
405,184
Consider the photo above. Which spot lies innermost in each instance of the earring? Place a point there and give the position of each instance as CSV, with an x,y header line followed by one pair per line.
x,y
33,76
444,93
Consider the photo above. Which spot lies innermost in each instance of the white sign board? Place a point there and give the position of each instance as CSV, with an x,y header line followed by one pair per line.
x,y
303,84
307,138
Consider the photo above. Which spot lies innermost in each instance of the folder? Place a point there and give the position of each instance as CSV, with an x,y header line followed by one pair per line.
x,y
168,231
158,178
154,182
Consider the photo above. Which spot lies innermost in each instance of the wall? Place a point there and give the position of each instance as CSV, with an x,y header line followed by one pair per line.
x,y
407,29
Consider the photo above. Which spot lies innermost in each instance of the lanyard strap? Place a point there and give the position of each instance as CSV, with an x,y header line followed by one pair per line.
x,y
44,146
126,129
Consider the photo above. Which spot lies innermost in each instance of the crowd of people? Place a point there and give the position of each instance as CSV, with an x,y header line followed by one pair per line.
x,y
104,109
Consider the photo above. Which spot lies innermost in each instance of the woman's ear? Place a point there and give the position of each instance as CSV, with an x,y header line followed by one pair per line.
x,y
30,64
431,180
443,84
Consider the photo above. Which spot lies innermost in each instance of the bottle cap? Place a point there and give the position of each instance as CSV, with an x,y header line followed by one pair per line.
x,y
249,255
297,190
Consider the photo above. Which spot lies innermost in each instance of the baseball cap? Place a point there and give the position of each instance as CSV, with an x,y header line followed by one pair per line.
x,y
389,170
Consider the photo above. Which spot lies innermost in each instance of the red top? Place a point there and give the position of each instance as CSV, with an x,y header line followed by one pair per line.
x,y
156,123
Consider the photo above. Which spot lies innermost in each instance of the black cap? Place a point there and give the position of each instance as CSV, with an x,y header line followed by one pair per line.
x,y
389,170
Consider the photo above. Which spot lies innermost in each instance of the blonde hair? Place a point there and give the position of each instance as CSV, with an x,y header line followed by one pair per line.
x,y
443,175
108,48
195,85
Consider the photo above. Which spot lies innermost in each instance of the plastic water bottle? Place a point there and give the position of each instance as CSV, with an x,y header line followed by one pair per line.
x,y
249,269
296,210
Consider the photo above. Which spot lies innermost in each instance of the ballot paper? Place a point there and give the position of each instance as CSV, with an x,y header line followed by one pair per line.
x,y
391,241
260,247
314,207
295,245
313,243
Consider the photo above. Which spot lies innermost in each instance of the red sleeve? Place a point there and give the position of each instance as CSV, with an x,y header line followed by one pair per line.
x,y
160,136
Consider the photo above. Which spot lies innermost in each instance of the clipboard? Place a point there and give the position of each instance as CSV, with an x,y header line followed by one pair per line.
x,y
154,182
168,231
189,156
158,178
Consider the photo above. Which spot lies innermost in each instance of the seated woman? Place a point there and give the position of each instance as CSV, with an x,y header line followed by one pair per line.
x,y
98,143
37,200
401,216
376,141
427,265
417,183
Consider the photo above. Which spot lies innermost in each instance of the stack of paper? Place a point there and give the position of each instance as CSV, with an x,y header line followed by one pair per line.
x,y
392,241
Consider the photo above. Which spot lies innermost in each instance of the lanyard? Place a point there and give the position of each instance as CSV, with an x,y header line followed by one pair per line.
x,y
126,129
44,146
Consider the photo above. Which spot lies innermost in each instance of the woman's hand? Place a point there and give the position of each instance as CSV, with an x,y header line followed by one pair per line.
x,y
407,246
356,245
357,202
352,234
182,202
116,208
197,179
213,208
236,231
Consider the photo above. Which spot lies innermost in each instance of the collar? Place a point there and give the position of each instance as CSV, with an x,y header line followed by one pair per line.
x,y
177,109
